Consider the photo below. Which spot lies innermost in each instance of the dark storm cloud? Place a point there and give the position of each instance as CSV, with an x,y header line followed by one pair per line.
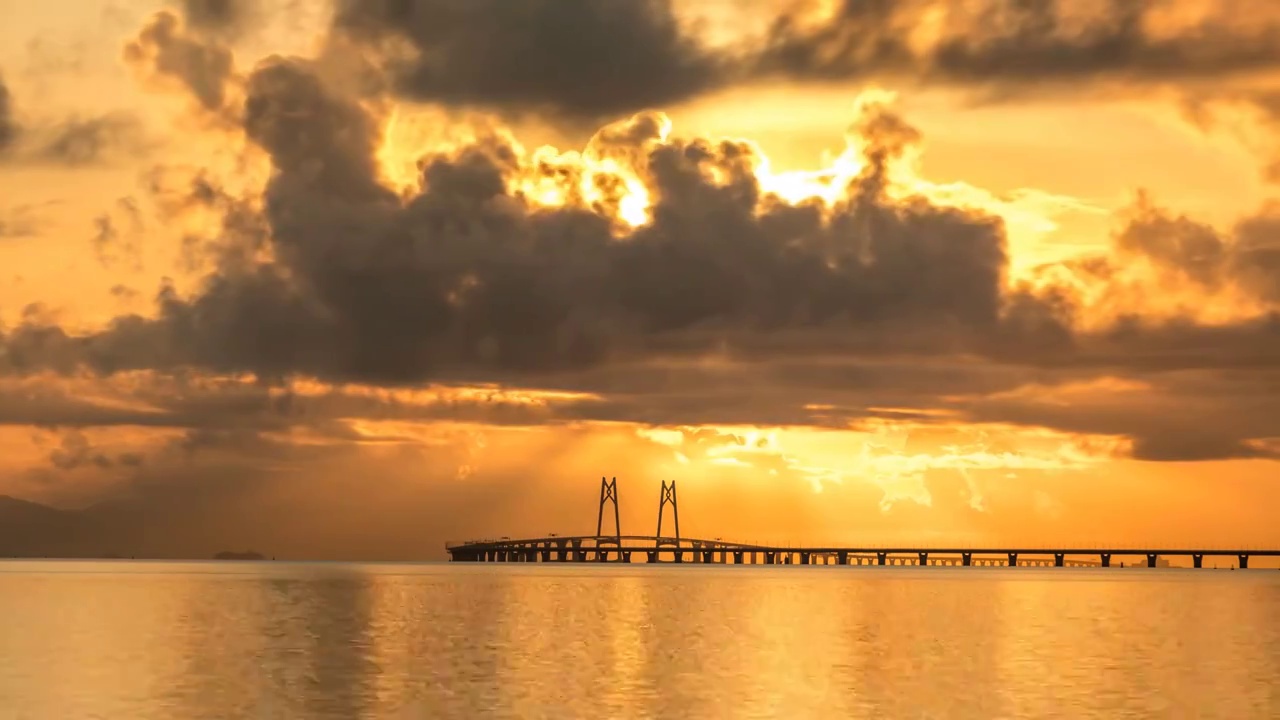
x,y
466,278
578,58
1020,42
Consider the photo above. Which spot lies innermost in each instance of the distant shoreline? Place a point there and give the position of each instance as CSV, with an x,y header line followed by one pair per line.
x,y
233,555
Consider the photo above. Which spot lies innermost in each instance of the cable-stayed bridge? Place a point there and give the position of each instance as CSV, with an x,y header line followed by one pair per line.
x,y
673,548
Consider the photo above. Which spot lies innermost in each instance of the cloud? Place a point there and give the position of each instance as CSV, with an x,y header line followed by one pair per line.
x,y
467,277
165,50
218,16
655,277
1195,252
8,125
21,221
85,141
75,140
1025,44
574,58
75,451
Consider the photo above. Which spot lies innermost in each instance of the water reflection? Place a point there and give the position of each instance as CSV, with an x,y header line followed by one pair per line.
x,y
276,640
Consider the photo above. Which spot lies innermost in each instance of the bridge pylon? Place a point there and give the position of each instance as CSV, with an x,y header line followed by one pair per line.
x,y
668,497
609,494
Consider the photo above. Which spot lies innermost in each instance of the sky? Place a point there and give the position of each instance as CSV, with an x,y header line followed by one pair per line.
x,y
358,277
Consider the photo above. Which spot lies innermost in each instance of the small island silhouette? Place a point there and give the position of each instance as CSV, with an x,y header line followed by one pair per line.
x,y
233,555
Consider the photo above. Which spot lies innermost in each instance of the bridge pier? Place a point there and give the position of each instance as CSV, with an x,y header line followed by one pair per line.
x,y
967,559
1106,560
842,557
805,558
1058,559
924,559
1197,560
1244,561
1013,559
880,558
1152,559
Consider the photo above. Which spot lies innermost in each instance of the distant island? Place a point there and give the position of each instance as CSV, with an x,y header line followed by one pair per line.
x,y
232,555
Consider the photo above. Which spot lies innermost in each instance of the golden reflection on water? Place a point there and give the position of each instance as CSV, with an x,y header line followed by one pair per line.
x,y
145,640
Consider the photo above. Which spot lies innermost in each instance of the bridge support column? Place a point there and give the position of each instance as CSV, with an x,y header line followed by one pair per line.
x,y
1244,561
1058,559
769,557
881,558
1013,559
1152,559
805,558
966,558
1106,559
708,556
924,559
1197,561
842,557
653,556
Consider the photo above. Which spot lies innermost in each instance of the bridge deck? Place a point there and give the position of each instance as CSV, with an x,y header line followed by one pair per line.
x,y
619,548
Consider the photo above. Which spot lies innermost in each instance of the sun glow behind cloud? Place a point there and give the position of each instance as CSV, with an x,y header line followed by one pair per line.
x,y
611,183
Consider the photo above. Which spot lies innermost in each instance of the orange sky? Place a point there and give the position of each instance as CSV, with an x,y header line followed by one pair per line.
x,y
846,275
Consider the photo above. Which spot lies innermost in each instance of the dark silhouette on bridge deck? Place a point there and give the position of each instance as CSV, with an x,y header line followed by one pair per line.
x,y
661,548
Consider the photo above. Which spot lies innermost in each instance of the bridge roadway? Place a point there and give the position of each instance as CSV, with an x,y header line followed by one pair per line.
x,y
620,548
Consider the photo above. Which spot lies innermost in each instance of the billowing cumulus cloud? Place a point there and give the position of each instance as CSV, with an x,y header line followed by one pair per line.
x,y
472,277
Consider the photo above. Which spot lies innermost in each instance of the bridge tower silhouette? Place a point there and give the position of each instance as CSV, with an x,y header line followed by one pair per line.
x,y
609,494
668,497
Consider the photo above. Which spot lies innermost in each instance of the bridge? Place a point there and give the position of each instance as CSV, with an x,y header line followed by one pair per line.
x,y
676,549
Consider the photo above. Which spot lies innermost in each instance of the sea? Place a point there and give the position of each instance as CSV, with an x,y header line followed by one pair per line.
x,y
149,640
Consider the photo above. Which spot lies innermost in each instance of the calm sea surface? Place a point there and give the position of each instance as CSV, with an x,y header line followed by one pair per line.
x,y
151,640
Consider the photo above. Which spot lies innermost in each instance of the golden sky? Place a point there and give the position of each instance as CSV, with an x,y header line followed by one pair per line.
x,y
354,278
